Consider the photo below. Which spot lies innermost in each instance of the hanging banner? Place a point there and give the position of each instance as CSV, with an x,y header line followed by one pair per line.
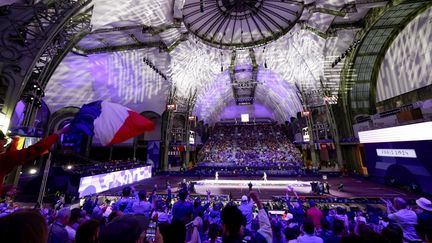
x,y
153,153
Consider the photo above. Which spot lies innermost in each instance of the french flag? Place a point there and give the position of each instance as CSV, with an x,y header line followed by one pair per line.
x,y
111,123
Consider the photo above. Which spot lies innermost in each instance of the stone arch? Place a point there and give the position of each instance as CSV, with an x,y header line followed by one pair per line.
x,y
60,117
156,133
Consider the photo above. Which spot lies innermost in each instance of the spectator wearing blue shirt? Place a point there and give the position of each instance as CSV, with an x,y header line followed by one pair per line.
x,y
182,210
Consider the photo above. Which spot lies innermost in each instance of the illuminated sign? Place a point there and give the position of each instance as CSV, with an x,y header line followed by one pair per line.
x,y
402,153
172,107
192,137
305,113
4,122
245,117
306,137
98,183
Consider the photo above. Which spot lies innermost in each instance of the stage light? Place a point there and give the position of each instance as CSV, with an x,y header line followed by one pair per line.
x,y
4,122
69,167
32,171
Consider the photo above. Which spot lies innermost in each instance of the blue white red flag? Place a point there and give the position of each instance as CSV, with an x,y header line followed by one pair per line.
x,y
111,123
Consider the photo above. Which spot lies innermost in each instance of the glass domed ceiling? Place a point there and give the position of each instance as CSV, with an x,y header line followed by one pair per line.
x,y
240,23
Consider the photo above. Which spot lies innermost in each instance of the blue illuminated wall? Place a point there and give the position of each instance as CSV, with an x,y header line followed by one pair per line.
x,y
400,170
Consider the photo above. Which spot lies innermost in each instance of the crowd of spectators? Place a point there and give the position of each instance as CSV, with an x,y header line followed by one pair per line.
x,y
251,143
248,169
134,217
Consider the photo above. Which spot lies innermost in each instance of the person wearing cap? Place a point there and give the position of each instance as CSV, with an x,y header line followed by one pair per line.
x,y
424,218
246,207
11,157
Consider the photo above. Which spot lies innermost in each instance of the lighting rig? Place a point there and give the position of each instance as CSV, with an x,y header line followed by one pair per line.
x,y
345,54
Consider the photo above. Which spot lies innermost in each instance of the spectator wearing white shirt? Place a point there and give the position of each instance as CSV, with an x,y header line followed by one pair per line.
x,y
404,217
246,207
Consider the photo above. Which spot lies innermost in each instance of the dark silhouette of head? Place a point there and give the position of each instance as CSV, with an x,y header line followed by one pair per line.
x,y
232,219
88,232
126,192
308,226
24,226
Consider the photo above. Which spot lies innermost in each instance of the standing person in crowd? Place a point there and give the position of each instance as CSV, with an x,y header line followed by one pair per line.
x,y
57,232
246,207
11,157
232,220
182,209
309,236
297,211
404,217
314,214
199,209
142,206
327,186
424,218
125,203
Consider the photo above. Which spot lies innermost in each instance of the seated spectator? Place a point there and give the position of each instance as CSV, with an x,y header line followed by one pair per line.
x,y
24,227
309,233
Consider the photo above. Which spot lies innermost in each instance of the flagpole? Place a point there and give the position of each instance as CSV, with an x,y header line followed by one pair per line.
x,y
44,180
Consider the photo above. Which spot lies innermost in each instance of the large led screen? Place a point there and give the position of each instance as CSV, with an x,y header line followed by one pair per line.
x,y
98,183
400,155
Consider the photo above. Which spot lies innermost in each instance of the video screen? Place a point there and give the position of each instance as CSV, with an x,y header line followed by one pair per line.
x,y
98,183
